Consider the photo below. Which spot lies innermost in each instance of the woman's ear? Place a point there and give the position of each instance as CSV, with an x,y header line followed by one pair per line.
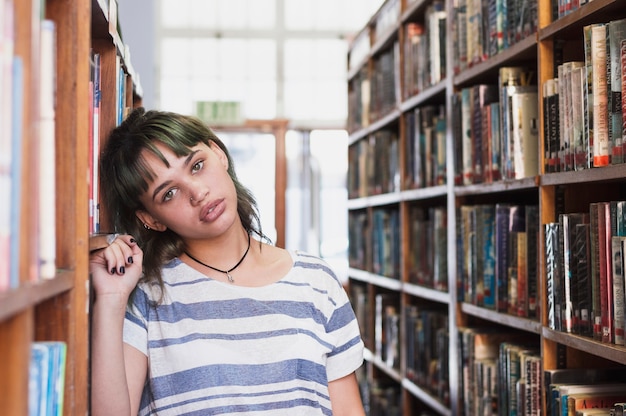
x,y
149,222
220,154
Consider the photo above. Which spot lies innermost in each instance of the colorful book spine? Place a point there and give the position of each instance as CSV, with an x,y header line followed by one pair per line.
x,y
616,33
617,246
600,96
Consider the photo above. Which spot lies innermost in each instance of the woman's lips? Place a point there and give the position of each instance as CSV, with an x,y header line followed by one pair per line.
x,y
212,211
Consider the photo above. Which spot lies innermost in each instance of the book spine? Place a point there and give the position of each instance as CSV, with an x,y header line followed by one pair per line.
x,y
551,252
600,96
594,218
623,82
468,136
617,245
525,111
47,159
532,261
7,142
588,119
606,278
502,257
578,151
617,32
16,172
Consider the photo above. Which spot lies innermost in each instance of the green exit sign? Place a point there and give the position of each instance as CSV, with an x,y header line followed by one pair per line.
x,y
219,112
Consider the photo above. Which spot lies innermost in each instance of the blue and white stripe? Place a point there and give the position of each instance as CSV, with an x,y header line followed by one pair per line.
x,y
218,349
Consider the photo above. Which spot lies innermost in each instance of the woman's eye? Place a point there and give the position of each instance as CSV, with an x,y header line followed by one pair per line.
x,y
169,194
197,166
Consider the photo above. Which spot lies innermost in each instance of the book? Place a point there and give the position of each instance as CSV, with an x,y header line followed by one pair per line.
x,y
583,287
588,97
551,125
569,222
578,150
618,244
590,376
47,378
602,411
590,400
510,80
553,274
600,95
528,302
525,132
487,246
605,267
564,391
616,33
7,142
94,145
47,155
16,172
482,96
623,81
467,137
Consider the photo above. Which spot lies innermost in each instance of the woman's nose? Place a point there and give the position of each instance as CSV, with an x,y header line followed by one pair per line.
x,y
197,193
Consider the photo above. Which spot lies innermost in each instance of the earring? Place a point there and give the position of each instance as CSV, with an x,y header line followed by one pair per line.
x,y
146,226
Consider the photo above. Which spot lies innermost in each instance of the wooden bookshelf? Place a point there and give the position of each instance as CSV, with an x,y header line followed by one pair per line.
x,y
387,32
58,309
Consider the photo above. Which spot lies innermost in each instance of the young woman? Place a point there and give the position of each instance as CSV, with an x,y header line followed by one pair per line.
x,y
194,313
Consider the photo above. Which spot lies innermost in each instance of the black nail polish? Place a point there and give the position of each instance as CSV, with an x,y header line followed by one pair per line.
x,y
113,270
130,260
122,270
132,240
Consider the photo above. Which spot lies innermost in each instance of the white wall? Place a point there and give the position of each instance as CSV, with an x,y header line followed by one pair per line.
x,y
137,21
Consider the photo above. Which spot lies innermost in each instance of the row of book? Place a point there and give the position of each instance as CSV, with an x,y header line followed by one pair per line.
x,y
428,247
384,84
424,341
484,28
386,242
584,257
46,385
585,391
374,165
11,158
424,58
387,329
500,373
425,147
427,350
121,111
358,100
562,8
496,129
10,136
497,266
386,18
584,122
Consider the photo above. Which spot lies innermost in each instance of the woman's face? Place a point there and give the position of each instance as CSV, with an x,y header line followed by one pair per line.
x,y
194,196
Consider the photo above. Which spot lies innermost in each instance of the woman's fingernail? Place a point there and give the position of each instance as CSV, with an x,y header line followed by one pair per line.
x,y
122,270
130,259
132,240
113,270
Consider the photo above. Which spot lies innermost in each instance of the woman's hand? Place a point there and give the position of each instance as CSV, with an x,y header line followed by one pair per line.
x,y
116,269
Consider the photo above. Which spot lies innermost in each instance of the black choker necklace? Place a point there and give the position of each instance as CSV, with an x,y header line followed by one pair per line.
x,y
226,272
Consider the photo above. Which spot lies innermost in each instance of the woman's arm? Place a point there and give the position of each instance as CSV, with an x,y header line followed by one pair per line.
x,y
118,371
345,397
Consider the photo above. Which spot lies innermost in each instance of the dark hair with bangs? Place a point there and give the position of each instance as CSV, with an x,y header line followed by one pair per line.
x,y
124,176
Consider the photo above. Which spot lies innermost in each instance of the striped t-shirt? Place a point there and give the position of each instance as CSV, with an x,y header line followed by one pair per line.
x,y
217,348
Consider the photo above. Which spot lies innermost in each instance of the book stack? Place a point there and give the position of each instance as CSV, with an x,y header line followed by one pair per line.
x,y
585,272
47,378
583,106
